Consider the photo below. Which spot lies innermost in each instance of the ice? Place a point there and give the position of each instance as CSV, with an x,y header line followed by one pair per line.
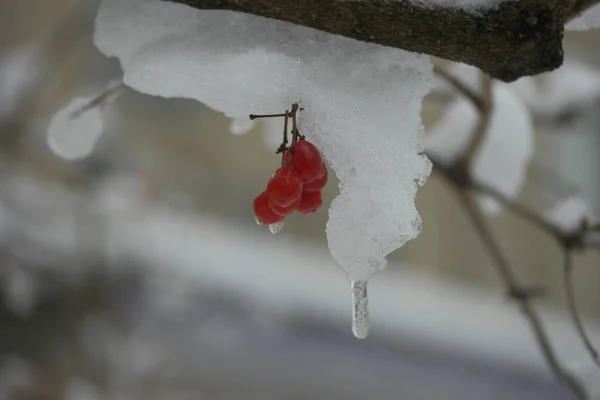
x,y
502,160
276,228
361,104
569,214
360,307
588,20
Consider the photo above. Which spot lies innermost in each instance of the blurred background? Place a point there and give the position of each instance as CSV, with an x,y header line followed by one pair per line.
x,y
133,268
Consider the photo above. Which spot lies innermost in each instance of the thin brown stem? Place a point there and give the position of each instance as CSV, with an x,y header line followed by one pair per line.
x,y
295,133
485,116
256,116
99,100
518,209
572,306
284,144
460,87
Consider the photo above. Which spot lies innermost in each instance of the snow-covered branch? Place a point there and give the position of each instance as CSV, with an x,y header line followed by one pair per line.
x,y
506,39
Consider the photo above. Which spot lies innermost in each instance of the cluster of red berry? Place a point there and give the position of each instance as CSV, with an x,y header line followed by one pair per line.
x,y
297,184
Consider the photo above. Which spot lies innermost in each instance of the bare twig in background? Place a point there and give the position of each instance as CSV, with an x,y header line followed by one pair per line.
x,y
458,177
572,306
516,208
101,99
460,87
521,294
485,115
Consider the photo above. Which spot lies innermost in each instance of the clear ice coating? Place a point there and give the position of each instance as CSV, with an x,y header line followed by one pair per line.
x,y
360,309
276,228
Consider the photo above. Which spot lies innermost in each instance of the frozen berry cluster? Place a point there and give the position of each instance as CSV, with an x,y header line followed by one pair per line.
x,y
294,187
297,184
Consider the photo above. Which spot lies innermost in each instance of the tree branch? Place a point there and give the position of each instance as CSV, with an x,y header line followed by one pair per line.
x,y
521,295
485,116
516,39
460,180
572,306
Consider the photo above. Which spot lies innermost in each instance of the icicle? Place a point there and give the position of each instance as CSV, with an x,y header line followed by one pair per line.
x,y
360,309
276,228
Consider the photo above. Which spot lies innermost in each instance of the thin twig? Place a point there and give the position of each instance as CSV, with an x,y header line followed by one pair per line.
x,y
485,115
255,116
474,97
572,306
99,100
295,132
518,209
520,294
283,147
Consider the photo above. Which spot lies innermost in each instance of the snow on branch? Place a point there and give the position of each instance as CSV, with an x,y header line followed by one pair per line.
x,y
507,39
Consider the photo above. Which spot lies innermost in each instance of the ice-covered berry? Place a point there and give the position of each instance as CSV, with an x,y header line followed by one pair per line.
x,y
284,188
264,214
305,159
284,211
310,202
318,183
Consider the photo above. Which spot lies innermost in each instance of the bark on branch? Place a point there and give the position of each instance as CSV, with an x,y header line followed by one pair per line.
x,y
518,38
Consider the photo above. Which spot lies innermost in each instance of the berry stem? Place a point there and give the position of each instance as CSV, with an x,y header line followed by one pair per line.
x,y
283,146
295,133
255,116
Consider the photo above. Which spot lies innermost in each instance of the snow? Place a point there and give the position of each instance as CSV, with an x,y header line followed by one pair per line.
x,y
574,86
19,70
569,214
502,160
362,104
75,128
71,136
590,19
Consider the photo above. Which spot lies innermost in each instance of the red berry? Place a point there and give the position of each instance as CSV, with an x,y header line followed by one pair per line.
x,y
284,188
284,211
310,202
319,183
305,159
263,212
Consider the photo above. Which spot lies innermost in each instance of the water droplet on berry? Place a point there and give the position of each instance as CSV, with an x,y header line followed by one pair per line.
x,y
360,309
258,221
276,228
